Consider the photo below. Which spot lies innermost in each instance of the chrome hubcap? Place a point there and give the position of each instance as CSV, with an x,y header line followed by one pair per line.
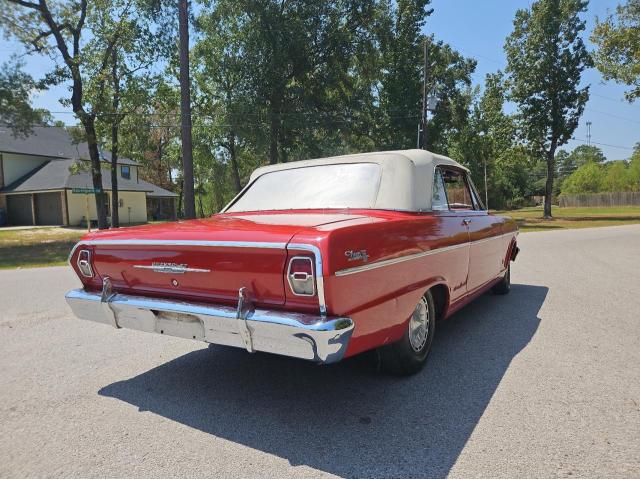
x,y
419,325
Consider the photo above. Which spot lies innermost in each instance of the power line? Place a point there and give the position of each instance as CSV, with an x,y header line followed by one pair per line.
x,y
612,115
617,100
603,144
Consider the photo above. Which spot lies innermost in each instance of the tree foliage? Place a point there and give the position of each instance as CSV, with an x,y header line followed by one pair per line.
x,y
280,81
618,40
277,81
16,87
599,177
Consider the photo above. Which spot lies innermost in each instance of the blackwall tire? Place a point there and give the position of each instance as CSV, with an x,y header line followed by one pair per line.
x,y
504,286
409,355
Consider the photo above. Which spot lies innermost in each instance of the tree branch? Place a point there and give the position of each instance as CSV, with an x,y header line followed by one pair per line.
x,y
78,29
31,5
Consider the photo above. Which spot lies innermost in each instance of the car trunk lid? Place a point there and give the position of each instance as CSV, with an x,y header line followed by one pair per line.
x,y
205,260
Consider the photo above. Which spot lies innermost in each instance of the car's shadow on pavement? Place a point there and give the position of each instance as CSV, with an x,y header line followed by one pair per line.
x,y
347,419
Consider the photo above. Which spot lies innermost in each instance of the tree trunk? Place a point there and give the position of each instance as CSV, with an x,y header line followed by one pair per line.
x,y
115,125
234,161
115,217
185,112
548,193
180,196
273,139
96,172
274,128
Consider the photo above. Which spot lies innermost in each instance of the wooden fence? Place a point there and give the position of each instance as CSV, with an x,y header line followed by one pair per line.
x,y
620,198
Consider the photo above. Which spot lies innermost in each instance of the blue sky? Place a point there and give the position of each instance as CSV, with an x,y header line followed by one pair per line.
x,y
477,29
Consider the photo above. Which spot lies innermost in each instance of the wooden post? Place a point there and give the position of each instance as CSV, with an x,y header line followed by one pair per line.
x,y
65,208
88,217
33,209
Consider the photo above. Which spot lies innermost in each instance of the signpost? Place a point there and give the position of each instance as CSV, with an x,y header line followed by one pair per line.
x,y
87,192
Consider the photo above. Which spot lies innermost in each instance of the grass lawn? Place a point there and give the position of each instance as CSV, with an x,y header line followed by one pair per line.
x,y
530,219
28,248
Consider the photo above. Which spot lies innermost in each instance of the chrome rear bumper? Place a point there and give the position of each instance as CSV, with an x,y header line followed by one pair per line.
x,y
305,336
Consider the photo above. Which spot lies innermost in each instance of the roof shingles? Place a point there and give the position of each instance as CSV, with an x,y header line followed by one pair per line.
x,y
50,141
56,175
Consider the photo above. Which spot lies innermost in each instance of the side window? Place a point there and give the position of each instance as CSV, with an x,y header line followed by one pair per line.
x,y
125,172
457,190
439,200
477,203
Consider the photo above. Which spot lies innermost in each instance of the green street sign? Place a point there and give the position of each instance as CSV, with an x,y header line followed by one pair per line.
x,y
84,191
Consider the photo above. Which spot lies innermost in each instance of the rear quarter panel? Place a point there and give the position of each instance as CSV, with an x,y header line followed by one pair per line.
x,y
381,300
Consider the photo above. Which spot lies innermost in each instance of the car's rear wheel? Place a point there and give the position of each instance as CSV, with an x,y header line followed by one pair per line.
x,y
409,355
504,286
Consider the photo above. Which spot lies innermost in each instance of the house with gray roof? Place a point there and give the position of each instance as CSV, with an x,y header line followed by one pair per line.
x,y
45,179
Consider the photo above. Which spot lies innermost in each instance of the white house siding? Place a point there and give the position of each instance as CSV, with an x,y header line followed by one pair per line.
x,y
137,200
16,166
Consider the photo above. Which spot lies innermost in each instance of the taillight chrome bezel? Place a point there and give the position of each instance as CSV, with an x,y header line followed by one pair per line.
x,y
297,277
84,263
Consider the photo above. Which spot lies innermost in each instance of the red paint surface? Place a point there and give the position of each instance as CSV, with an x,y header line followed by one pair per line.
x,y
379,301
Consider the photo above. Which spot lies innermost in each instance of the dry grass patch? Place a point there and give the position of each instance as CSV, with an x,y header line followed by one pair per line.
x,y
28,248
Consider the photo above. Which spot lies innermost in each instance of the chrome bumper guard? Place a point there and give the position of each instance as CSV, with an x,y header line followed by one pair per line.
x,y
298,335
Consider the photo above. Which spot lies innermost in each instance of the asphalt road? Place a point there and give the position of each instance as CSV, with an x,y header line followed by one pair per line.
x,y
544,382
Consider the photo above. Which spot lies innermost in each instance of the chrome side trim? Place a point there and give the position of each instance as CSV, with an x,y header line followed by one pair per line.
x,y
402,259
134,242
319,271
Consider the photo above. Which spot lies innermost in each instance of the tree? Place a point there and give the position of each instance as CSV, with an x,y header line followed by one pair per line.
x,y
583,154
224,95
546,57
617,177
15,108
145,38
565,164
634,168
185,111
586,179
60,30
487,144
401,58
618,42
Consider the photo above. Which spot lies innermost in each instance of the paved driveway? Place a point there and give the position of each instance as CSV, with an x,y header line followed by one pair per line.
x,y
544,382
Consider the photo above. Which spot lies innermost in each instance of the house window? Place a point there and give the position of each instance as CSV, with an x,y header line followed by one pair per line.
x,y
120,203
125,172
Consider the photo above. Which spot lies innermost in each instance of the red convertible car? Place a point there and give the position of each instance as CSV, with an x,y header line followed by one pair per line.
x,y
319,260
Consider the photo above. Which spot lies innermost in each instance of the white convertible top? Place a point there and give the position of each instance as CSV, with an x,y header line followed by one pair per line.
x,y
406,180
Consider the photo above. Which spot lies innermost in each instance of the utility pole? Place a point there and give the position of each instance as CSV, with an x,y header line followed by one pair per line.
x,y
422,131
185,112
486,189
589,133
